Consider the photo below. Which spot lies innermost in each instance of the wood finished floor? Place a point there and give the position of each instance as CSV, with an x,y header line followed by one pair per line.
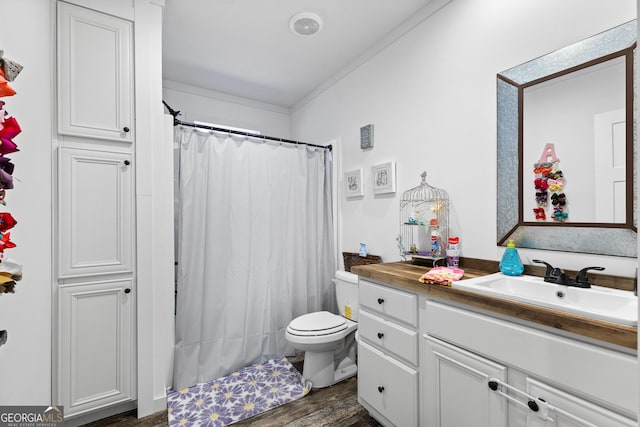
x,y
332,406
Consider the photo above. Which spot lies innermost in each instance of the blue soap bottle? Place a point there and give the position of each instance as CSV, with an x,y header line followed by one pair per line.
x,y
511,264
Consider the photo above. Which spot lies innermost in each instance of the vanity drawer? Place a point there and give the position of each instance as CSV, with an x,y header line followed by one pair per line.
x,y
389,336
389,386
399,305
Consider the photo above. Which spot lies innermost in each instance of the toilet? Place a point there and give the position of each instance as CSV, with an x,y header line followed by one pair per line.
x,y
328,339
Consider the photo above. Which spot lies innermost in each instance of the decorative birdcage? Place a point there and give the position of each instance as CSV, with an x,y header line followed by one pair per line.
x,y
424,222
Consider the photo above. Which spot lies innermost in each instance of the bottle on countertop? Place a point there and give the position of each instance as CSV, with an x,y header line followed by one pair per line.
x,y
436,248
511,264
453,252
363,250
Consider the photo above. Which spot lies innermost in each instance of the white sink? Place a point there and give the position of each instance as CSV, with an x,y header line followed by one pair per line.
x,y
597,302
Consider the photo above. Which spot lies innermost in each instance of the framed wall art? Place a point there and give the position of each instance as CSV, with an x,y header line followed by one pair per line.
x,y
353,183
384,178
366,137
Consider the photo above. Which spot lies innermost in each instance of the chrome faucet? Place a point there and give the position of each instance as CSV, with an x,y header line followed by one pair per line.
x,y
559,277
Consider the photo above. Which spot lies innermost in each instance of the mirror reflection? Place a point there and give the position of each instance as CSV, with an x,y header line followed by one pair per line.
x,y
583,115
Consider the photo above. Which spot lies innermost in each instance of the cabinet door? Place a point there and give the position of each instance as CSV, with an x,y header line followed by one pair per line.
x,y
95,74
95,212
456,388
390,387
567,410
95,345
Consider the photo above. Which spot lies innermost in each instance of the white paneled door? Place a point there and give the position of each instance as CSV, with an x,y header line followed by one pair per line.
x,y
95,212
96,343
95,74
568,410
457,393
610,166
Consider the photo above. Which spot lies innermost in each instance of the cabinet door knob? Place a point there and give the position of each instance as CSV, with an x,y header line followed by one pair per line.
x,y
533,406
125,129
380,335
380,389
127,162
127,290
380,300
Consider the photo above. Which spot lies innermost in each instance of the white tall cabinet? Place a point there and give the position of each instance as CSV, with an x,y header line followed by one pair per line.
x,y
96,281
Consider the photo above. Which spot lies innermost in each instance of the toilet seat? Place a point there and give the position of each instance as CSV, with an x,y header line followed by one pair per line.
x,y
320,323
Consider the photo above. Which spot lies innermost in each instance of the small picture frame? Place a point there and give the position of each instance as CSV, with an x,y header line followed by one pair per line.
x,y
366,137
353,183
383,178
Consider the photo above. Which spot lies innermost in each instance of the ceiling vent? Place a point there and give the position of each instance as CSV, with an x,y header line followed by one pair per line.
x,y
305,24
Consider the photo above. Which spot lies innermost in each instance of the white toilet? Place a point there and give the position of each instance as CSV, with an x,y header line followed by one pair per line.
x,y
327,339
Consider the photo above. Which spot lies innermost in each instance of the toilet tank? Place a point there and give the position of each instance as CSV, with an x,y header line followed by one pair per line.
x,y
347,294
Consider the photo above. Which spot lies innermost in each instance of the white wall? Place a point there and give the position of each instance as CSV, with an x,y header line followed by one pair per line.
x,y
154,211
431,96
197,104
25,360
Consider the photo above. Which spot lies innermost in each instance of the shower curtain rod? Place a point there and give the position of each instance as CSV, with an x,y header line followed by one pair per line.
x,y
177,122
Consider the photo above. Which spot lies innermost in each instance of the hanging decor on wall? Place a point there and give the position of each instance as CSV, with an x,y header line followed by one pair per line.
x,y
366,137
353,184
549,179
384,178
10,271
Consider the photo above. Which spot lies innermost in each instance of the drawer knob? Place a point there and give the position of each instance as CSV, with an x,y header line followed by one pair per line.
x,y
125,129
533,406
127,162
380,389
380,335
380,300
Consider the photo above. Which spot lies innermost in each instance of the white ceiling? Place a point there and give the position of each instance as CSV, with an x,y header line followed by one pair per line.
x,y
245,47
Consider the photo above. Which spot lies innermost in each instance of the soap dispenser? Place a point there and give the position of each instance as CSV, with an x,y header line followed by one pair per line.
x,y
511,264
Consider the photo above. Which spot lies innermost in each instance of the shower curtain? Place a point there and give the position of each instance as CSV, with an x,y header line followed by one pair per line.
x,y
255,250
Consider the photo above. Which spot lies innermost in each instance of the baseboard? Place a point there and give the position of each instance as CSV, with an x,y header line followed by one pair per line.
x,y
99,414
159,404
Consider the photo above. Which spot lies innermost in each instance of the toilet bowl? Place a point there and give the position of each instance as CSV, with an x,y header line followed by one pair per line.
x,y
328,339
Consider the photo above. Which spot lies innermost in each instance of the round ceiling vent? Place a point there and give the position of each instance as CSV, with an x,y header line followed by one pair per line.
x,y
305,23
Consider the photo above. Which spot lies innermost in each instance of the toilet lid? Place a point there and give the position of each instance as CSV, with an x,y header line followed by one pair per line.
x,y
318,323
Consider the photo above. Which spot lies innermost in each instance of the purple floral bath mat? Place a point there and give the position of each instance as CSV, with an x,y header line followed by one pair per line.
x,y
237,396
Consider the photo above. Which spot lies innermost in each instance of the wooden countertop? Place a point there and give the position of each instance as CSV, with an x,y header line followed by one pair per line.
x,y
405,275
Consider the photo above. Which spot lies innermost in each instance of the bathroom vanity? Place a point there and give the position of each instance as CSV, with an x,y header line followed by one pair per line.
x,y
430,355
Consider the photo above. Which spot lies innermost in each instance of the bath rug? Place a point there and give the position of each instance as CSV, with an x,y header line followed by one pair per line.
x,y
237,396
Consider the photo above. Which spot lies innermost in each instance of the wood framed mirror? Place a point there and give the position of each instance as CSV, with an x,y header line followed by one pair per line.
x,y
559,99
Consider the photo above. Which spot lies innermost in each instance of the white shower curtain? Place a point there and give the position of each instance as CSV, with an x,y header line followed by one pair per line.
x,y
255,249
